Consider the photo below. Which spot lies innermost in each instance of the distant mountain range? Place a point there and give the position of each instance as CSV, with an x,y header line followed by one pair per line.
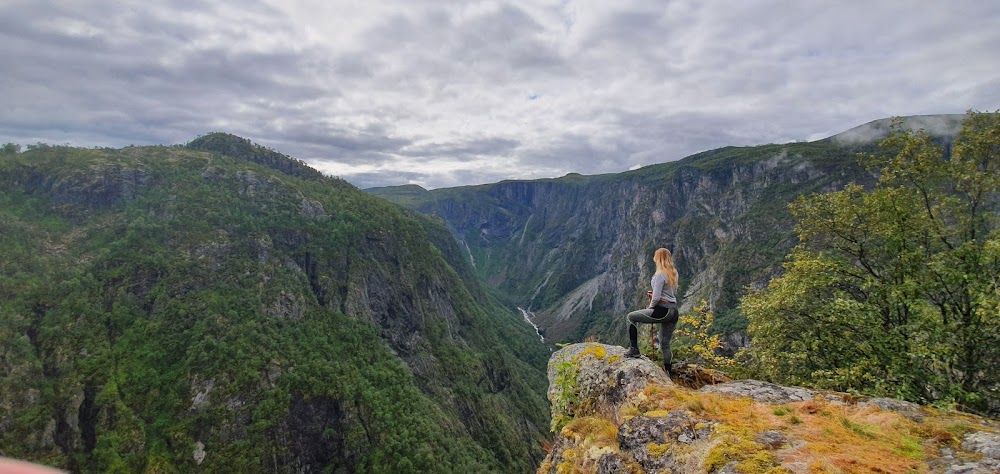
x,y
576,251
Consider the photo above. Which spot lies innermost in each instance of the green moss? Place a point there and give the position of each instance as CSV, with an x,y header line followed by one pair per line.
x,y
656,449
596,350
911,448
738,445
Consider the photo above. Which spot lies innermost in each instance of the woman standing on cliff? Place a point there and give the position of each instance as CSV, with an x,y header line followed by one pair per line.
x,y
662,307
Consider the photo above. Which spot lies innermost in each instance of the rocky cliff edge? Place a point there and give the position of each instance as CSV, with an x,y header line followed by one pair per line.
x,y
612,414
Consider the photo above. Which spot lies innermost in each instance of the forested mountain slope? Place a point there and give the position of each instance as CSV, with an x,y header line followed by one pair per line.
x,y
577,250
221,307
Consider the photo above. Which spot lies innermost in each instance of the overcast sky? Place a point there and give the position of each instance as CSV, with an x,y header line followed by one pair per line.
x,y
443,93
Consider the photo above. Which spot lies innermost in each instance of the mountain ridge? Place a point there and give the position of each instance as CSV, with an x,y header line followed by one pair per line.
x,y
936,125
166,308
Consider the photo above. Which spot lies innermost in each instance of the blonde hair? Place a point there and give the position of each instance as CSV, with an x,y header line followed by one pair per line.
x,y
665,265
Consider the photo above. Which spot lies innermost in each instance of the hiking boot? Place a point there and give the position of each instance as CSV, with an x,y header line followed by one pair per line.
x,y
670,371
632,352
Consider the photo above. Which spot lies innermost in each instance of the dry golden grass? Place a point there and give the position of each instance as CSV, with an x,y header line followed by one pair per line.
x,y
838,438
594,437
592,430
855,439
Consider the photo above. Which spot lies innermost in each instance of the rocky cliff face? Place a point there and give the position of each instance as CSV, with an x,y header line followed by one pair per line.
x,y
614,415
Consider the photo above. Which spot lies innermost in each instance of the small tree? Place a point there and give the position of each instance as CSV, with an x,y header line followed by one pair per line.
x,y
697,342
894,290
694,340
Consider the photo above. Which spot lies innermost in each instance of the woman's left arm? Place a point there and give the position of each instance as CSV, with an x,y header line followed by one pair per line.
x,y
658,281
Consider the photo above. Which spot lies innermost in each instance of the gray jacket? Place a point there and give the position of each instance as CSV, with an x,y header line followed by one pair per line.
x,y
663,294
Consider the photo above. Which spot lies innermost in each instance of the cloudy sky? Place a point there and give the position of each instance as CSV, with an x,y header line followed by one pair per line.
x,y
443,93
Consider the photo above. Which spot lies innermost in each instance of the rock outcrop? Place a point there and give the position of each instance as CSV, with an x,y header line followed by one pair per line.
x,y
612,414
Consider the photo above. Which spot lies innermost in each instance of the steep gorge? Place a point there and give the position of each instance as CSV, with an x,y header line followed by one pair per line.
x,y
576,251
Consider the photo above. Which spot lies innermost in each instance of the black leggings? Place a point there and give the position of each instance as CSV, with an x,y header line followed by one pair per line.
x,y
662,315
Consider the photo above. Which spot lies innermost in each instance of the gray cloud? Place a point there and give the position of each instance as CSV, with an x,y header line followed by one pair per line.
x,y
443,94
465,149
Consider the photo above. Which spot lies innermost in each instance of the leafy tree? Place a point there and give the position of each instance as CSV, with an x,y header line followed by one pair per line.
x,y
894,290
10,149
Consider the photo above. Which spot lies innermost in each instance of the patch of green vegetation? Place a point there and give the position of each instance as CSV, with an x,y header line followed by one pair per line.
x,y
910,448
567,389
781,411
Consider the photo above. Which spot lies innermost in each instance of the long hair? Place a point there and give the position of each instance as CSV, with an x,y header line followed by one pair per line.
x,y
665,265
